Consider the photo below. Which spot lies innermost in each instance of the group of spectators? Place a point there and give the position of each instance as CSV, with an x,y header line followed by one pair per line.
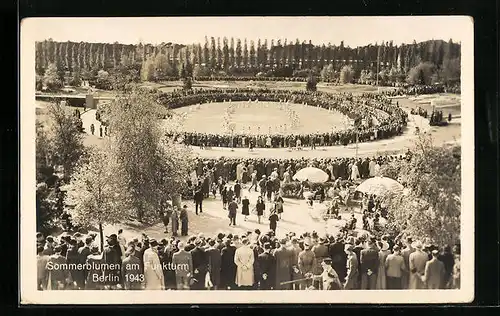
x,y
422,89
242,169
374,115
248,261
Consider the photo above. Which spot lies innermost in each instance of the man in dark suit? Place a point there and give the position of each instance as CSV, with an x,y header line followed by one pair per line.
x,y
200,266
132,275
198,199
112,256
339,257
214,263
283,258
369,266
267,268
83,253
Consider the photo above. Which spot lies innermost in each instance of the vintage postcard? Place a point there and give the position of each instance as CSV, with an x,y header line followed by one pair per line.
x,y
247,160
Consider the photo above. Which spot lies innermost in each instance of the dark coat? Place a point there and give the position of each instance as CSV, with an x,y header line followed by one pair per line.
x,y
200,263
260,207
214,265
112,256
267,265
369,260
339,259
228,267
284,265
245,210
131,273
273,221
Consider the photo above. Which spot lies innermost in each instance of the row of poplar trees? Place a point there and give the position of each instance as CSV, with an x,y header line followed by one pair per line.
x,y
218,54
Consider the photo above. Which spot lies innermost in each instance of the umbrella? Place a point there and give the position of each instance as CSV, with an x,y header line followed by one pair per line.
x,y
311,174
380,186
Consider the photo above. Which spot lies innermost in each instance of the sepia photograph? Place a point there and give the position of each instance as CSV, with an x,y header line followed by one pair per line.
x,y
268,159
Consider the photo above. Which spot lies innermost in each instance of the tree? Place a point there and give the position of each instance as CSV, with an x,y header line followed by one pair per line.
x,y
51,78
421,74
328,73
213,53
201,71
225,54
346,74
311,83
76,80
219,53
451,70
95,195
65,137
206,53
148,70
238,56
137,146
103,80
252,56
431,210
245,53
162,68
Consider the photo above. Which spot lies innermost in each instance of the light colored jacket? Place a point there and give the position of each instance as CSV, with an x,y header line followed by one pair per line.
x,y
153,272
244,259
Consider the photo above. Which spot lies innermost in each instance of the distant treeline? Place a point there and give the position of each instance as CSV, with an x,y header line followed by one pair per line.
x,y
220,57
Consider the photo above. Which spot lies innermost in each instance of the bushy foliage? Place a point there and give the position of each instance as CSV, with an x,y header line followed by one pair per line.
x,y
421,74
51,78
311,84
59,147
152,169
346,74
431,209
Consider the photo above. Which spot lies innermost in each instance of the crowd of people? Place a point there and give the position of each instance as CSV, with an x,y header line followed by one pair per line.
x,y
253,260
422,89
381,119
245,170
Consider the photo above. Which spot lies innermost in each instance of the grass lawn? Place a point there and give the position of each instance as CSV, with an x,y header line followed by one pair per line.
x,y
266,115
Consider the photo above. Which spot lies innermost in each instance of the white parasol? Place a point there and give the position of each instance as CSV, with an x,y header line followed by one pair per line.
x,y
311,174
380,186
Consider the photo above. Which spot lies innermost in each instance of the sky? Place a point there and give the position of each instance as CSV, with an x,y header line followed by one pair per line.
x,y
354,31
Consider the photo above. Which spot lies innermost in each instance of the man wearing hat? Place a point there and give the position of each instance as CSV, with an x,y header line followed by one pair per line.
x,y
153,273
131,272
262,185
369,266
283,258
434,272
58,277
351,280
395,267
329,276
214,263
266,268
306,262
200,265
112,257
49,246
228,266
183,259
418,260
405,277
273,221
337,252
320,252
94,274
295,251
